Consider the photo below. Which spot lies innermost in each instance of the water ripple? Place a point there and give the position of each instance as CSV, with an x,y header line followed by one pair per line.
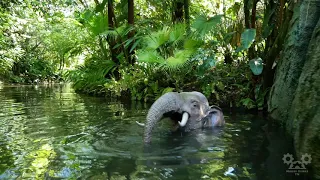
x,y
51,132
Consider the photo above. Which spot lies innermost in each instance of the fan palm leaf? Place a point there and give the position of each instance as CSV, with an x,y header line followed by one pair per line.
x,y
204,25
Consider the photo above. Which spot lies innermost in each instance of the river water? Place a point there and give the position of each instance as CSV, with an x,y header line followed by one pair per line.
x,y
51,132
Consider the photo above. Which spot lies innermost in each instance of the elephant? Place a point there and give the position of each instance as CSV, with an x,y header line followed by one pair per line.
x,y
187,110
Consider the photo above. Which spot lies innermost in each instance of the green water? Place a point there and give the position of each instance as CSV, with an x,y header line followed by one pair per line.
x,y
50,132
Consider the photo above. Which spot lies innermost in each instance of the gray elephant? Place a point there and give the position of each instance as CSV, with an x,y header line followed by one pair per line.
x,y
188,110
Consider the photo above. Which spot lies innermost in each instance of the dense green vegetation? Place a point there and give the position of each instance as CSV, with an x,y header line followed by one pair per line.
x,y
142,49
139,50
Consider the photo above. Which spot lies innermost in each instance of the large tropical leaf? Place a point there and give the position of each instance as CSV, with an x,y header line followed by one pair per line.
x,y
204,25
256,66
207,63
228,37
247,38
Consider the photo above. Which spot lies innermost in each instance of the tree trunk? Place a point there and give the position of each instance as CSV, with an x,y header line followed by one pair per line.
x,y
177,11
274,42
103,49
112,41
61,64
131,33
251,51
248,25
246,14
187,14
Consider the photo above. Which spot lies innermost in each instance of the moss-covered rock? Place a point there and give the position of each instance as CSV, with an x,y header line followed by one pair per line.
x,y
305,110
295,95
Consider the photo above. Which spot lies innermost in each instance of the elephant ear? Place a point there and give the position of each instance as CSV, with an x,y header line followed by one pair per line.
x,y
215,117
214,107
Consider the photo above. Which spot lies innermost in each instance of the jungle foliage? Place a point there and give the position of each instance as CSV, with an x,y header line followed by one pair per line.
x,y
142,49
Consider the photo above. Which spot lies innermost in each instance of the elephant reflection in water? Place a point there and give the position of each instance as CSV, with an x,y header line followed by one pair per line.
x,y
187,110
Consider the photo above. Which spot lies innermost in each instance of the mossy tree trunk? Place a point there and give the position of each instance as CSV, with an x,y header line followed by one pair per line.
x,y
112,41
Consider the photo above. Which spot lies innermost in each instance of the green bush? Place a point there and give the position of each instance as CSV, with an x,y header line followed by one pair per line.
x,y
30,71
141,82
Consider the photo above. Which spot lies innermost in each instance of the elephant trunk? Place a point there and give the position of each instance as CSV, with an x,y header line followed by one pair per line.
x,y
166,103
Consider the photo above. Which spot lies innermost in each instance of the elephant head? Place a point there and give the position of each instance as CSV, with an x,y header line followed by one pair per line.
x,y
190,110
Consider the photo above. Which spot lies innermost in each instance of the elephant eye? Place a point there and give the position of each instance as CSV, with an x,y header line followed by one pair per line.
x,y
195,104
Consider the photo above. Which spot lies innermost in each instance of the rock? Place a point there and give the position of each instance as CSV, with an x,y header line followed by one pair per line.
x,y
295,96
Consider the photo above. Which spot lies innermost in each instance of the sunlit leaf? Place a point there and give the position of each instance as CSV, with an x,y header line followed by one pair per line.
x,y
149,56
192,44
98,24
156,39
180,58
177,32
166,90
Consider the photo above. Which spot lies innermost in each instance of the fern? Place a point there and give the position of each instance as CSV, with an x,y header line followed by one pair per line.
x,y
91,78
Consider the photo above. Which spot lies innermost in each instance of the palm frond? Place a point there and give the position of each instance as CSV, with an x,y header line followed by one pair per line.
x,y
180,58
110,33
177,33
156,39
204,25
149,56
192,44
98,24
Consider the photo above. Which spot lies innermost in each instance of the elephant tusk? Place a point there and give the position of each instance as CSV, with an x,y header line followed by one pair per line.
x,y
140,124
185,117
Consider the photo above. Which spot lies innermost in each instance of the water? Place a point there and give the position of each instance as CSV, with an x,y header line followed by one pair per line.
x,y
50,132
